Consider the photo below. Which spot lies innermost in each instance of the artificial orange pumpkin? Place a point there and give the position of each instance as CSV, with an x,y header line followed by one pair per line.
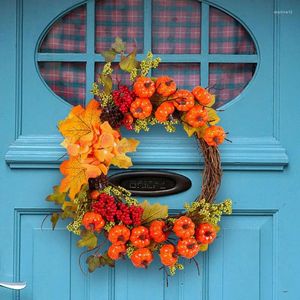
x,y
141,108
202,95
184,227
205,233
183,100
165,86
144,87
188,248
141,258
214,135
116,251
93,221
140,237
167,255
157,231
197,116
164,111
119,234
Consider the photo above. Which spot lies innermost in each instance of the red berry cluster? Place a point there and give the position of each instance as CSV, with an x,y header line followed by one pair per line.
x,y
129,215
114,211
105,206
123,98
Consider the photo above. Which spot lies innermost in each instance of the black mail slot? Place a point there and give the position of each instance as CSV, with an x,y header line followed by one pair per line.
x,y
151,183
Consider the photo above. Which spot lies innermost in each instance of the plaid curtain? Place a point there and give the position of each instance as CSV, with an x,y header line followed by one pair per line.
x,y
122,18
176,29
67,34
227,81
227,35
66,79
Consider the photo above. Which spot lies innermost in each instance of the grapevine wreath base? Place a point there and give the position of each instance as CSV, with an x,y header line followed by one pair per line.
x,y
100,210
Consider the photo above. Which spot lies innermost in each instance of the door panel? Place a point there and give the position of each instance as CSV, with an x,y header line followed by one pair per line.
x,y
255,255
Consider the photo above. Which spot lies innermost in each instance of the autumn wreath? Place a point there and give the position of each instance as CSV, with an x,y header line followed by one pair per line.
x,y
100,210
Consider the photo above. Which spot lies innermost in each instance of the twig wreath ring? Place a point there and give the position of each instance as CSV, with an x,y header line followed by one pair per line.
x,y
97,209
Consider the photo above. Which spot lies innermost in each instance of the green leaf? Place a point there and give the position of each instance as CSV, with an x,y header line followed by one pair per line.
x,y
107,83
88,239
119,46
93,263
54,219
153,211
57,197
109,55
128,63
106,260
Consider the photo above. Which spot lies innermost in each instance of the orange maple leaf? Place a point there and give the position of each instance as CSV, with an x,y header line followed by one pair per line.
x,y
77,173
80,124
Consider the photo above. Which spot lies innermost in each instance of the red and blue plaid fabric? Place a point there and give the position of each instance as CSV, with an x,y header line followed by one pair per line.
x,y
186,75
176,26
120,18
227,35
227,81
68,34
65,79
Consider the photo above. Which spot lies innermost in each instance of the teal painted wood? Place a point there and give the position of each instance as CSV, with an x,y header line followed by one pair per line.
x,y
256,254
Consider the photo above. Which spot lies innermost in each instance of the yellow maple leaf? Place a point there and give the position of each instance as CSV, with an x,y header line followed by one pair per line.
x,y
127,145
76,174
80,124
153,211
192,130
213,117
122,161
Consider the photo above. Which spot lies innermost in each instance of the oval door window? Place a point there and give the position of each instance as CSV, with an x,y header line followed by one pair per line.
x,y
174,33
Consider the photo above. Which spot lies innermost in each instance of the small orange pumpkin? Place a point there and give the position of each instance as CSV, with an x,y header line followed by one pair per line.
x,y
140,237
197,116
93,221
157,231
116,251
144,87
183,100
214,135
167,255
141,258
141,108
188,248
119,234
205,233
165,86
184,227
164,111
202,95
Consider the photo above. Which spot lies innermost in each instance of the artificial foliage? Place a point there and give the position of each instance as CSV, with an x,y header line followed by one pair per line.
x,y
96,209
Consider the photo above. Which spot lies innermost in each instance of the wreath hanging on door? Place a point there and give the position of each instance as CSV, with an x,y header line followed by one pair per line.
x,y
111,223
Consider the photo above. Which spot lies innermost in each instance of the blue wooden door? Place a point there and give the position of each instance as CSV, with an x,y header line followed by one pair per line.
x,y
256,253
